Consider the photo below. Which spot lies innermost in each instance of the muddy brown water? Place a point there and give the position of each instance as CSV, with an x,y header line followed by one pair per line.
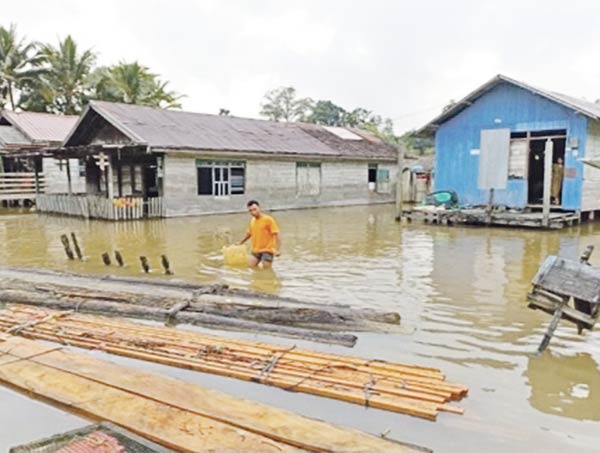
x,y
461,293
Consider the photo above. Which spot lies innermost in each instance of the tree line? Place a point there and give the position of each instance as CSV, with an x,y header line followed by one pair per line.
x,y
284,104
63,78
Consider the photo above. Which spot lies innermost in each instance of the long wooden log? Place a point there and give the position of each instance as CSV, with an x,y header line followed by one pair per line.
x,y
149,290
160,314
170,412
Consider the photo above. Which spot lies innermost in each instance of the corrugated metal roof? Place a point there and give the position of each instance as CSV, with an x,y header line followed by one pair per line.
x,y
42,127
587,108
174,129
10,136
369,147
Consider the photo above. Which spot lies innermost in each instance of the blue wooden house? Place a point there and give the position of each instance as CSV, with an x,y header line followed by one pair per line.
x,y
498,137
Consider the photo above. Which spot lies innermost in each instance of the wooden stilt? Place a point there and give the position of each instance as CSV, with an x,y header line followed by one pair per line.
x,y
166,265
119,258
65,242
76,246
145,264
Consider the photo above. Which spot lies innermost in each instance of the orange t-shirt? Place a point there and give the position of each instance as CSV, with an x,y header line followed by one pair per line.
x,y
263,231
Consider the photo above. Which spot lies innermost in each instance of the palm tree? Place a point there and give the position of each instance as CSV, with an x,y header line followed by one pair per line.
x,y
19,64
132,83
66,75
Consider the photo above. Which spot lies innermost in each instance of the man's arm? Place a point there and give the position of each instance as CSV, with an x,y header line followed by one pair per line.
x,y
248,236
277,244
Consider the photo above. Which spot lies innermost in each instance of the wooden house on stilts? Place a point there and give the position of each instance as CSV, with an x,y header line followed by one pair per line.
x,y
527,145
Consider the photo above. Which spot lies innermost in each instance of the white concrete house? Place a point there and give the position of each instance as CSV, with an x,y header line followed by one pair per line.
x,y
148,162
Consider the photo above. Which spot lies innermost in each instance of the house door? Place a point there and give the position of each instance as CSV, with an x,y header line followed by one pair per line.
x,y
535,173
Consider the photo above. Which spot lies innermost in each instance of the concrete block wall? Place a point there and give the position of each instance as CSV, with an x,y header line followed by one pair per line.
x,y
273,183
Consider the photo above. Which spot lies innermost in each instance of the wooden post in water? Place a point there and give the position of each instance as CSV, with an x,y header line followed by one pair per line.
x,y
490,207
119,258
166,265
106,258
145,265
65,242
548,157
399,181
76,246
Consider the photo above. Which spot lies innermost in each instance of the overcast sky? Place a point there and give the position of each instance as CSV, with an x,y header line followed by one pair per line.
x,y
401,59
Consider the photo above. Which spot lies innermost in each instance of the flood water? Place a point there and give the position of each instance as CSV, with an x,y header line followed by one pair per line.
x,y
460,291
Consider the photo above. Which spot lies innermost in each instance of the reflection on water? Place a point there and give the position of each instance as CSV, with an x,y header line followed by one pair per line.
x,y
460,291
573,391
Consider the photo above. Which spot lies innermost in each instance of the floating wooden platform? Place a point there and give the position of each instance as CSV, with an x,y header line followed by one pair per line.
x,y
480,217
567,289
176,301
408,389
173,413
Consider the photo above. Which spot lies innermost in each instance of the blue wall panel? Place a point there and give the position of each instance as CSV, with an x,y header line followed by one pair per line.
x,y
505,106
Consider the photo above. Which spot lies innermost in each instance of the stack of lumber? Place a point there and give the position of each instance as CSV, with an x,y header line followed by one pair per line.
x,y
215,306
172,413
407,389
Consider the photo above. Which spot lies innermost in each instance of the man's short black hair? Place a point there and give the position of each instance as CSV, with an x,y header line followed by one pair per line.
x,y
251,202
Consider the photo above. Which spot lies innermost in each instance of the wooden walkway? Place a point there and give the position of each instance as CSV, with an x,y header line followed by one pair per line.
x,y
408,389
479,217
172,413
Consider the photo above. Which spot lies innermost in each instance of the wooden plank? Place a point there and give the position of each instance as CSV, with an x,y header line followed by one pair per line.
x,y
568,313
198,418
184,431
569,278
401,388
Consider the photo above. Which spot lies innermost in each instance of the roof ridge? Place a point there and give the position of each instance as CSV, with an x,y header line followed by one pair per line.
x,y
590,109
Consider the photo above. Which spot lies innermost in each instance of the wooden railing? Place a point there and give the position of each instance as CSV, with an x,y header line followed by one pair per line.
x,y
99,207
20,186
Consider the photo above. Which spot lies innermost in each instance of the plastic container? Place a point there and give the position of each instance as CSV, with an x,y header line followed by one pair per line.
x,y
235,255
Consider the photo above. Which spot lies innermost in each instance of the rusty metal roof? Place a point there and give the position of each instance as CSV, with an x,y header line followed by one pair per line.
x,y
44,128
179,130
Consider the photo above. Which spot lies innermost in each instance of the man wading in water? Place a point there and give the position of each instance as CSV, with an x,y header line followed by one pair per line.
x,y
264,231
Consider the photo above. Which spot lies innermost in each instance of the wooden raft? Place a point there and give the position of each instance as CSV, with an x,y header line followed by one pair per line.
x,y
175,414
407,389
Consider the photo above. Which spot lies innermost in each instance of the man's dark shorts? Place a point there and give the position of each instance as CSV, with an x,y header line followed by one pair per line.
x,y
263,256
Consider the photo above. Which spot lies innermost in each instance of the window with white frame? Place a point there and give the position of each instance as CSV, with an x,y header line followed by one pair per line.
x,y
308,178
221,179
